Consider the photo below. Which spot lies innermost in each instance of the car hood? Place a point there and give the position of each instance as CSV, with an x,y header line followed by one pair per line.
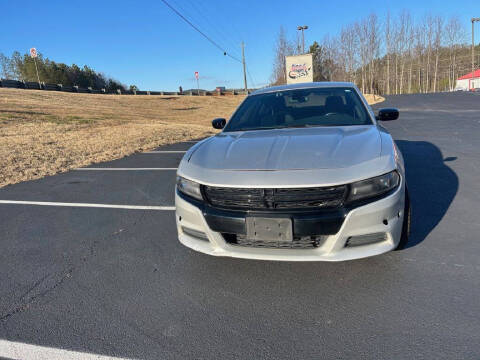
x,y
290,157
289,149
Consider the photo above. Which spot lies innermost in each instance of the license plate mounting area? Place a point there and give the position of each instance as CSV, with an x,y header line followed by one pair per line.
x,y
269,229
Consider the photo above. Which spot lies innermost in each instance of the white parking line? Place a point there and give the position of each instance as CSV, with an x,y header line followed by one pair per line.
x,y
165,152
20,351
109,206
122,169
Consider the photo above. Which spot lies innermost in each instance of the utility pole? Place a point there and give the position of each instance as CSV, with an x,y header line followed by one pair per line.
x,y
473,47
302,28
244,68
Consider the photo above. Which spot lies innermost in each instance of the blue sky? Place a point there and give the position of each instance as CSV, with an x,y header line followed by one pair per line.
x,y
145,43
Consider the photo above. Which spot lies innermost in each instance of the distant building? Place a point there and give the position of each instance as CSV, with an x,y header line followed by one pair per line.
x,y
468,81
220,88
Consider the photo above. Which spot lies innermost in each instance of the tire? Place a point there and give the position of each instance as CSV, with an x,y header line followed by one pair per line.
x,y
407,219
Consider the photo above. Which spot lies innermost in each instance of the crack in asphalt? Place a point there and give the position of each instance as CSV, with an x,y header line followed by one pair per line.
x,y
34,286
25,304
63,275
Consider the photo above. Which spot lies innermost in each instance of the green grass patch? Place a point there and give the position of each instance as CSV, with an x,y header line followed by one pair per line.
x,y
67,120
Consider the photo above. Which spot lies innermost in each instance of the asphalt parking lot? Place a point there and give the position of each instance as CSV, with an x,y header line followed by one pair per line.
x,y
114,280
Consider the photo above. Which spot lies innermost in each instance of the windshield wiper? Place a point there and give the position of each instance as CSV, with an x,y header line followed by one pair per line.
x,y
257,128
284,127
299,126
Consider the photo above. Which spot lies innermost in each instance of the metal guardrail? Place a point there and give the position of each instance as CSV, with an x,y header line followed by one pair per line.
x,y
32,85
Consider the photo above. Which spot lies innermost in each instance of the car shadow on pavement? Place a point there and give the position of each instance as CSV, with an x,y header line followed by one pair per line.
x,y
432,186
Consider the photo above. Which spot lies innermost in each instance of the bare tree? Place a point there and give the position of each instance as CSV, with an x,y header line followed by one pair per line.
x,y
361,28
429,29
438,28
403,33
283,47
388,49
330,54
419,53
406,55
373,46
410,53
454,36
348,48
395,52
398,49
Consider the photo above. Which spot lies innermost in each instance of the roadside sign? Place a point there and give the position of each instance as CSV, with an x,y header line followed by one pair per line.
x,y
33,54
299,69
198,85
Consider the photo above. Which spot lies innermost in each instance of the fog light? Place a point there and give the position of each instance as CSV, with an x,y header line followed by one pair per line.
x,y
195,233
365,239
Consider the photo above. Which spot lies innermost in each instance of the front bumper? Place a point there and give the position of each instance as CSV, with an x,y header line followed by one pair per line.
x,y
384,216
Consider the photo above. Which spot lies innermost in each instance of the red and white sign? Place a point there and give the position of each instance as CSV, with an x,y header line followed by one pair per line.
x,y
196,75
33,52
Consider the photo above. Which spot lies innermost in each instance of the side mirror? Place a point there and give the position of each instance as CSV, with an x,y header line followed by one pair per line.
x,y
219,123
387,114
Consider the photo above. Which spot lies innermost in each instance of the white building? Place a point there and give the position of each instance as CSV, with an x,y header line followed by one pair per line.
x,y
468,82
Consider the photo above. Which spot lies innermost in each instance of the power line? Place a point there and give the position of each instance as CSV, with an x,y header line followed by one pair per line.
x,y
212,28
197,18
196,27
200,32
251,78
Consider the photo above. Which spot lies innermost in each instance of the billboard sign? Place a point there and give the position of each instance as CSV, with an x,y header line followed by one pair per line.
x,y
299,69
33,52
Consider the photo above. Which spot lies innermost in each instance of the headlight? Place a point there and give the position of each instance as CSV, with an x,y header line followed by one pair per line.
x,y
374,186
188,187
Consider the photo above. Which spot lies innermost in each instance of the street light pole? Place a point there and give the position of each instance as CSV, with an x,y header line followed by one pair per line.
x,y
302,28
473,47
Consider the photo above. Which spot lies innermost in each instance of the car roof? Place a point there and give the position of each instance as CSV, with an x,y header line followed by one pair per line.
x,y
307,85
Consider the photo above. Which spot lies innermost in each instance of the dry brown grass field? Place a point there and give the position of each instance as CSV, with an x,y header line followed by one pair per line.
x,y
43,133
374,99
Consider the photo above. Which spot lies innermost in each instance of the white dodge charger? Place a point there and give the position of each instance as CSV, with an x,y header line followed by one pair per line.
x,y
299,173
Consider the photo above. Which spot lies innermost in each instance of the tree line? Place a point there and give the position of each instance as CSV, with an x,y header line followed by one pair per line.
x,y
22,67
389,55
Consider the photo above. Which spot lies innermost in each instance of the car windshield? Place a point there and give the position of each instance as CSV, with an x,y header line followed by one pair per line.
x,y
335,106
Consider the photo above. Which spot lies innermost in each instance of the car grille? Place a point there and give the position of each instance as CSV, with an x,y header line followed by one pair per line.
x,y
306,242
260,199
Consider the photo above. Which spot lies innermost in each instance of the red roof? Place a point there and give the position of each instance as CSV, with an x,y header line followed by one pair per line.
x,y
476,74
